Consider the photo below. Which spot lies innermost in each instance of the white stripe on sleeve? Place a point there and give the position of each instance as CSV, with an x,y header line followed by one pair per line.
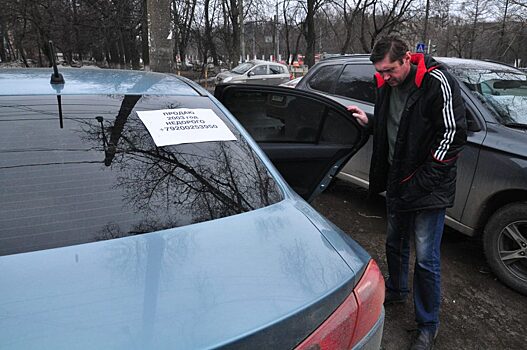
x,y
448,116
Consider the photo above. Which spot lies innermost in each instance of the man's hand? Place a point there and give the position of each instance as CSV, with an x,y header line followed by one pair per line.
x,y
359,114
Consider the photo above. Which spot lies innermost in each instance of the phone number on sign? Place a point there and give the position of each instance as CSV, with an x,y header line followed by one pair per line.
x,y
189,127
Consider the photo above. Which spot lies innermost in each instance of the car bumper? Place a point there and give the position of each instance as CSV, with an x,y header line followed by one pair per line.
x,y
372,340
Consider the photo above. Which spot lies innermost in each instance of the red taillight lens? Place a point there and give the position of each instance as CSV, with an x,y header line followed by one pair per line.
x,y
353,318
370,297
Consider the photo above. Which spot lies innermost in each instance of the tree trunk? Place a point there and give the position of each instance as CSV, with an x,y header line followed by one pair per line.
x,y
159,24
235,20
209,43
3,55
144,37
310,34
473,31
76,28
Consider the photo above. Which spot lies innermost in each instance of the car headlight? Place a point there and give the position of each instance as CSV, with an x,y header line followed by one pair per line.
x,y
226,80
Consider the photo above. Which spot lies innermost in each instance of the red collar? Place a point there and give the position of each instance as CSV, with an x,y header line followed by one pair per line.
x,y
419,60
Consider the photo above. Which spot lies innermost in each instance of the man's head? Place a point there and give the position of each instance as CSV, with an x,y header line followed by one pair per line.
x,y
391,59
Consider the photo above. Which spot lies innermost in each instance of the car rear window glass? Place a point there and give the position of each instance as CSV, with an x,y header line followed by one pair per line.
x,y
102,177
356,81
324,78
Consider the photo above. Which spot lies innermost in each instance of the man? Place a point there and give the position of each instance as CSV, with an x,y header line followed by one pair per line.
x,y
418,130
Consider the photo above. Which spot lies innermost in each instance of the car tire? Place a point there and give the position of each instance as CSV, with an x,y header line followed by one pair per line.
x,y
505,243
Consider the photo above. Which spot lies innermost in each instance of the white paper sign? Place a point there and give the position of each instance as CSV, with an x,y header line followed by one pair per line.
x,y
183,125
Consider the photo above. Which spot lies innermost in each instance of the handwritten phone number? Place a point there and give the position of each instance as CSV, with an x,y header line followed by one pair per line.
x,y
189,127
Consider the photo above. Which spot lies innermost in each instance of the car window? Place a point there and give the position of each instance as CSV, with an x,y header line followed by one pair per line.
x,y
324,78
277,117
276,69
356,81
102,177
338,130
242,68
259,70
472,121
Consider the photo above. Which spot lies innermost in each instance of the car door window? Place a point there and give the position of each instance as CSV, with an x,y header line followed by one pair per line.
x,y
276,69
277,117
272,117
356,81
472,121
259,70
337,129
308,137
324,78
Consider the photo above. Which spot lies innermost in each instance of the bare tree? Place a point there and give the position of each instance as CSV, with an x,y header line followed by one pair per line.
x,y
209,16
183,14
231,29
121,33
349,10
311,8
379,17
476,11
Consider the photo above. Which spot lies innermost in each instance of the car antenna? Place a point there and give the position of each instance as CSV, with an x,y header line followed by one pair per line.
x,y
56,79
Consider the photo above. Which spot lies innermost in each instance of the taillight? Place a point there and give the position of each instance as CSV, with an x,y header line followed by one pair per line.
x,y
370,297
354,318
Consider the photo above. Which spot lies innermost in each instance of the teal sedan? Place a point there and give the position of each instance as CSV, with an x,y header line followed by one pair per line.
x,y
137,211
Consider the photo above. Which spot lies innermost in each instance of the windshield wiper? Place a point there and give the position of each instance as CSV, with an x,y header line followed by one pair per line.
x,y
516,125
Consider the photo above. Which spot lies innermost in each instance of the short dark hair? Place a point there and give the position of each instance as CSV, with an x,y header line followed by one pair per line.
x,y
389,45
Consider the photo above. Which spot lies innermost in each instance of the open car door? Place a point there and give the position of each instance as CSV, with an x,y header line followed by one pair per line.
x,y
308,137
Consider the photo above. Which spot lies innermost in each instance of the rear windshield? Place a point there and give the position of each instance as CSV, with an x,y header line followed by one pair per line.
x,y
102,177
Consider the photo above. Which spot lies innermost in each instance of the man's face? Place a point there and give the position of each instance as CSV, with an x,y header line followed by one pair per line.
x,y
394,72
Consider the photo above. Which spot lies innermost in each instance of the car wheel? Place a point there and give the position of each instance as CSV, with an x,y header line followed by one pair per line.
x,y
505,242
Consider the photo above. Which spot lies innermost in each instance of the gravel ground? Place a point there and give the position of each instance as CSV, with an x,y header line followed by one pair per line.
x,y
477,312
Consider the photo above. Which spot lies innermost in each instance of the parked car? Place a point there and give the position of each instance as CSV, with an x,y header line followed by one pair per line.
x,y
137,213
491,196
255,72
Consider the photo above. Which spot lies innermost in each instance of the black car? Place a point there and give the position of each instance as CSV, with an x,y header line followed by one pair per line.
x,y
491,196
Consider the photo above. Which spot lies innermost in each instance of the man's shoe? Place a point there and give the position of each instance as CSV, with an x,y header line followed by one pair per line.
x,y
424,341
394,298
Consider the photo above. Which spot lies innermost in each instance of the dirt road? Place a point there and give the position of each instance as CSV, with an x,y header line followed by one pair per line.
x,y
478,312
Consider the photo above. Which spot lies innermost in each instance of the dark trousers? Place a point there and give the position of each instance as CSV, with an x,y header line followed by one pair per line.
x,y
426,226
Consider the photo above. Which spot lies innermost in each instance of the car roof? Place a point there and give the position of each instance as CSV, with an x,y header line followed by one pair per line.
x,y
264,62
354,57
458,63
448,61
82,81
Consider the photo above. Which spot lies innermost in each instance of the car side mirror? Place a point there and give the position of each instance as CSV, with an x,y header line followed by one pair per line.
x,y
250,74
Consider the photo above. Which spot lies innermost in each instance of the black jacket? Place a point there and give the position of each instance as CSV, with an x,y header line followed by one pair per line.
x,y
431,134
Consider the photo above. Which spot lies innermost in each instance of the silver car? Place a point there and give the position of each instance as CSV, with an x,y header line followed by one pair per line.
x,y
256,72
